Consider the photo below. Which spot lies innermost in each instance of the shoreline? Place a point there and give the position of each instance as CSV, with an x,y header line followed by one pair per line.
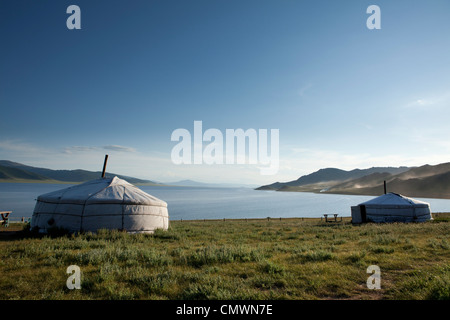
x,y
356,194
345,219
315,191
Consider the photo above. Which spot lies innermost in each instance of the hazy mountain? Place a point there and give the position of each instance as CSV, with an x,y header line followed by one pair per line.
x,y
425,171
191,183
435,186
374,179
332,176
13,171
425,181
17,172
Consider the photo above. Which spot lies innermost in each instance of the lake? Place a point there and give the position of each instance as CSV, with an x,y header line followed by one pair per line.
x,y
212,203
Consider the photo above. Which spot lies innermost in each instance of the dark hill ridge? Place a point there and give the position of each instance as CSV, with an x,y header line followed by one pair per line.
x,y
16,173
428,181
13,171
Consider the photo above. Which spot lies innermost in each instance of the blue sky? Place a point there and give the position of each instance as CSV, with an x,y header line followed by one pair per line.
x,y
340,94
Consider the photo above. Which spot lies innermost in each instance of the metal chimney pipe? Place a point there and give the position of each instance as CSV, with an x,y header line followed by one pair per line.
x,y
104,166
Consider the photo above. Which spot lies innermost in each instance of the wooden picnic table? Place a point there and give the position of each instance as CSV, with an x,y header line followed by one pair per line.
x,y
335,217
5,220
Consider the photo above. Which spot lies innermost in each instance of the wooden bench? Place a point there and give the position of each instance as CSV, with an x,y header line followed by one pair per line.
x,y
5,220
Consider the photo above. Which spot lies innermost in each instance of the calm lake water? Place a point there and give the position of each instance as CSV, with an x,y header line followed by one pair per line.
x,y
212,203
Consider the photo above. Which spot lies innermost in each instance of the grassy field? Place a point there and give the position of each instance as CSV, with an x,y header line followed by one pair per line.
x,y
232,259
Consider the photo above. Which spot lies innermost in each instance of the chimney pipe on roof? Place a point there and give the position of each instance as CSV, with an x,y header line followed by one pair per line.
x,y
104,166
384,186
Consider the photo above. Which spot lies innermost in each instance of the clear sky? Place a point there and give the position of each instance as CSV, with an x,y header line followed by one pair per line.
x,y
340,94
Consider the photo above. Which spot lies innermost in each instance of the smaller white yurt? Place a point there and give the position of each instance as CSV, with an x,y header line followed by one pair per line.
x,y
391,207
105,203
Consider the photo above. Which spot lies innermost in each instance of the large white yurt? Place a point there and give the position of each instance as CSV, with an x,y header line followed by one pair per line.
x,y
105,203
391,207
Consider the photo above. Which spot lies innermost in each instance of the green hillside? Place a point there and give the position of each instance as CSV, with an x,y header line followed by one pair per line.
x,y
7,173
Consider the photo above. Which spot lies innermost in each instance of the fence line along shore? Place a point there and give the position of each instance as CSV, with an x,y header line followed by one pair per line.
x,y
341,218
321,218
324,217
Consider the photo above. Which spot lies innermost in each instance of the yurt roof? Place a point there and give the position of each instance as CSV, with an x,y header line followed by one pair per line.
x,y
395,199
103,190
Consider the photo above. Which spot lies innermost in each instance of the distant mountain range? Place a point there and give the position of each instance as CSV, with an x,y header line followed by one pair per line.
x,y
191,183
425,181
17,172
428,181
